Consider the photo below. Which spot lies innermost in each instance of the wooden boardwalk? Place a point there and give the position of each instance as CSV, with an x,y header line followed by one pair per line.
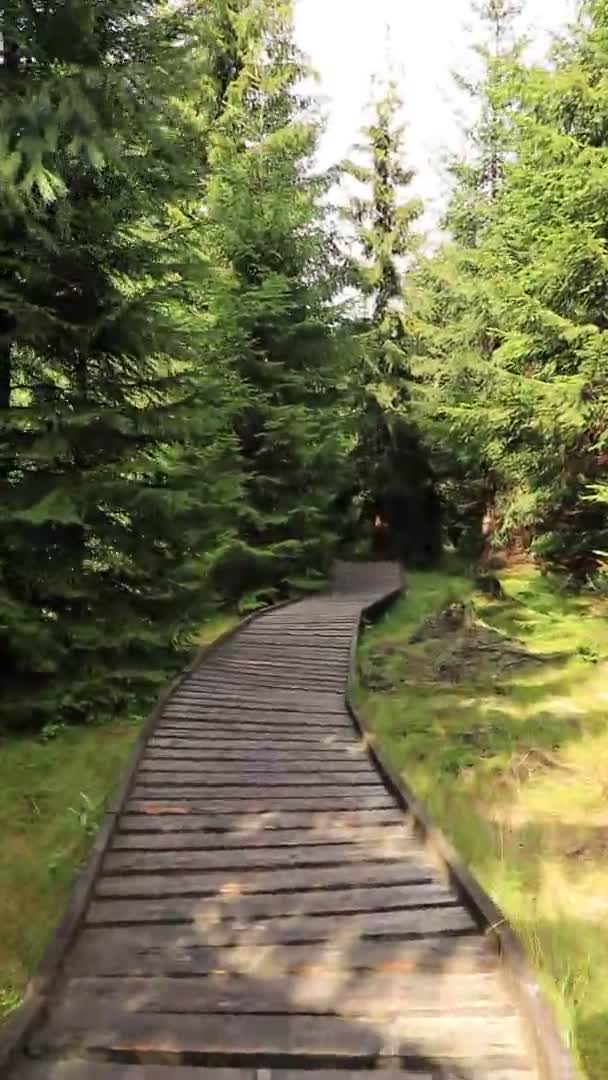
x,y
264,908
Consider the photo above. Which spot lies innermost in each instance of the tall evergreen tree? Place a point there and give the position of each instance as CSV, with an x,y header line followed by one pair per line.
x,y
395,484
454,299
110,467
514,324
269,226
477,176
546,246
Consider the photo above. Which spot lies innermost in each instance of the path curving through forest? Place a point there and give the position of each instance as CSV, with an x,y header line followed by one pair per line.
x,y
264,909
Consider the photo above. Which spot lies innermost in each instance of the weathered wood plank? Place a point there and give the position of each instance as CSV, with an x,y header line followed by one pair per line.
x,y
268,644
245,661
411,922
281,701
204,1037
377,996
159,950
490,1070
275,783
285,715
251,683
201,787
229,763
247,719
180,908
272,821
85,1069
142,802
241,670
337,854
262,881
413,1037
279,733
372,838
231,736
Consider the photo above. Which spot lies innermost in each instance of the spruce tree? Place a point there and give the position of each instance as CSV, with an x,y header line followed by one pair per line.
x,y
454,298
269,226
394,480
547,243
116,482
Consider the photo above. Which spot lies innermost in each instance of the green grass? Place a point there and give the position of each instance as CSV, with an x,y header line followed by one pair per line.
x,y
215,626
52,795
53,790
516,772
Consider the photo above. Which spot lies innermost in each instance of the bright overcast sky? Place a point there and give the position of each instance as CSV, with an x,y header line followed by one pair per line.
x,y
346,40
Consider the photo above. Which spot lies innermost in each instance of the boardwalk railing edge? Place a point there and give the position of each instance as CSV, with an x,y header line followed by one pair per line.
x,y
553,1058
15,1030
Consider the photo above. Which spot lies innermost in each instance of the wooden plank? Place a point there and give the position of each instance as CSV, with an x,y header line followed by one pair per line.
x,y
319,701
350,1074
140,802
277,1038
283,645
265,662
213,735
334,660
256,678
247,719
261,881
470,1043
270,700
490,1071
411,922
314,626
270,761
250,772
465,1041
183,909
254,682
201,788
225,710
372,838
254,687
281,781
257,713
85,1069
267,638
157,821
337,854
279,701
264,720
230,735
158,950
234,746
374,995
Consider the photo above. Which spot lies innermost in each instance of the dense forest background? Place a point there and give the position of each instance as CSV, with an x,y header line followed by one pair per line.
x,y
219,367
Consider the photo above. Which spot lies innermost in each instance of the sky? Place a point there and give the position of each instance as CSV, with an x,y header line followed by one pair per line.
x,y
423,40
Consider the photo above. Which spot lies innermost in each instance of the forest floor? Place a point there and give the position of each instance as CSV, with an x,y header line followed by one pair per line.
x,y
499,722
53,790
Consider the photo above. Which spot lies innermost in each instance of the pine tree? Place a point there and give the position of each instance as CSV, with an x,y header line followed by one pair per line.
x,y
117,484
269,227
548,242
395,484
477,177
454,298
514,322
